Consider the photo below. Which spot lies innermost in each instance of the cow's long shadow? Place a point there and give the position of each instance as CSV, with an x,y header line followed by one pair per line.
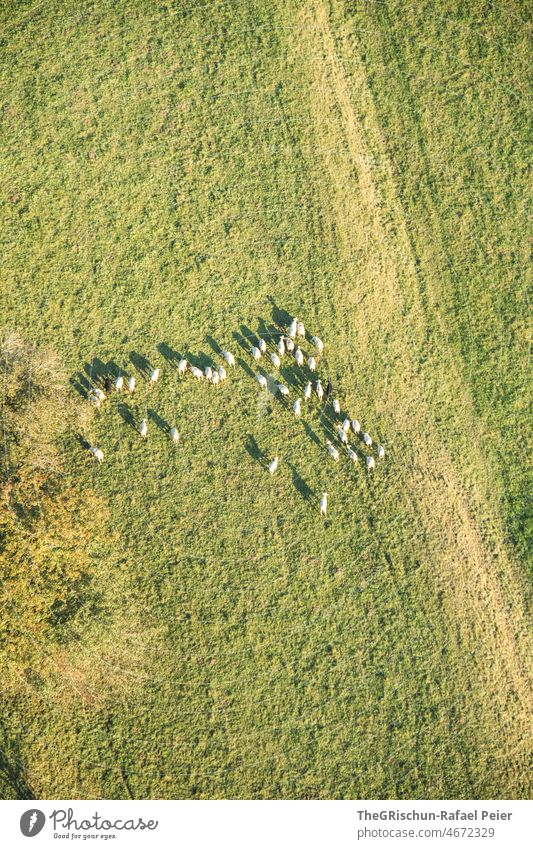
x,y
80,383
213,344
13,782
170,355
82,442
200,360
141,363
96,371
159,421
126,415
254,451
312,434
245,367
268,331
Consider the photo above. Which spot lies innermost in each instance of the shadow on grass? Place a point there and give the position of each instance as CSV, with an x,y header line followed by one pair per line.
x,y
13,782
81,384
82,442
126,415
255,452
169,354
312,434
268,331
140,363
96,371
280,317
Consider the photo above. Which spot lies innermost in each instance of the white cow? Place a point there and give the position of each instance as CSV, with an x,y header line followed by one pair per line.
x,y
222,372
293,328
367,439
208,371
174,435
283,390
319,390
131,384
324,504
356,427
346,425
336,407
230,359
256,353
262,345
143,429
301,329
370,464
299,357
261,379
119,383
381,452
281,347
154,377
197,373
273,465
97,453
311,362
276,362
307,390
297,407
351,454
182,366
318,343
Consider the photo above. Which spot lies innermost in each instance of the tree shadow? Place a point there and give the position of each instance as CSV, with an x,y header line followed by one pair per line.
x,y
126,415
140,363
301,485
159,421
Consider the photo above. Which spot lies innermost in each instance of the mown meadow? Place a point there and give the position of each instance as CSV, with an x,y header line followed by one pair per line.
x,y
175,178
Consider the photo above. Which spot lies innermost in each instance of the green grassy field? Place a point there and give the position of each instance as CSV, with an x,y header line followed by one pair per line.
x,y
180,175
